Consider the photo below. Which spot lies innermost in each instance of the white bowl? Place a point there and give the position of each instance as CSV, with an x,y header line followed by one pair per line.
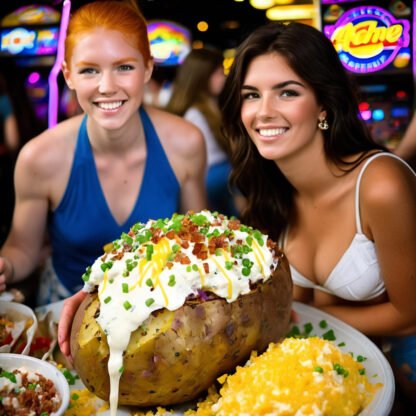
x,y
18,312
10,362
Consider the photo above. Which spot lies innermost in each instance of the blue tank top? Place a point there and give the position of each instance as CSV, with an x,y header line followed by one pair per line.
x,y
82,223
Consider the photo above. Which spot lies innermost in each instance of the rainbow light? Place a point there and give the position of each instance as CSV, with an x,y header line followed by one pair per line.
x,y
169,42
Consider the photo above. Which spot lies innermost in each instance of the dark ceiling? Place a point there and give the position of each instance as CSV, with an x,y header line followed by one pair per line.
x,y
217,13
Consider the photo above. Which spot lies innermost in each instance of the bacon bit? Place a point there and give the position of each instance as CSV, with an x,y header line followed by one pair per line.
x,y
117,256
197,237
184,235
185,260
170,235
131,233
169,265
203,255
157,235
198,247
200,251
217,242
206,268
182,258
234,224
185,244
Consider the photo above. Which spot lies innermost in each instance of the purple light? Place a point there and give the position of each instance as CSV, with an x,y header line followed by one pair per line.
x,y
33,78
53,76
366,115
414,43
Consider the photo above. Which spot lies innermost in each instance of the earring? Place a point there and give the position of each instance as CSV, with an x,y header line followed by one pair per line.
x,y
323,124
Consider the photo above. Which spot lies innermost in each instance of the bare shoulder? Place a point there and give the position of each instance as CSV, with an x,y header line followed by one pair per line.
x,y
52,150
386,179
388,198
175,133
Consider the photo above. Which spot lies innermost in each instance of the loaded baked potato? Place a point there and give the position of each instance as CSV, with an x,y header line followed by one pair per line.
x,y
222,294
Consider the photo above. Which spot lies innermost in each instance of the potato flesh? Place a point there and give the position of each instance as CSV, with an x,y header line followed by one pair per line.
x,y
175,356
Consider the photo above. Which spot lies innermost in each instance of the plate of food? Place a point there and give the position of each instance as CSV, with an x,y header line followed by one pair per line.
x,y
175,304
312,321
28,384
353,350
18,325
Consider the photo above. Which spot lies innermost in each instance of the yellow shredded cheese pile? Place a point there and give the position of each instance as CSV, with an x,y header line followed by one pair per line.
x,y
85,403
309,376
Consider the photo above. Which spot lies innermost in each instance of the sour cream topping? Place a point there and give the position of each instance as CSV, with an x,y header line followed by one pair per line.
x,y
161,263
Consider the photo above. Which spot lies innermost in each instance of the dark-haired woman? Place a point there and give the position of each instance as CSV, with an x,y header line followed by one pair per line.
x,y
342,207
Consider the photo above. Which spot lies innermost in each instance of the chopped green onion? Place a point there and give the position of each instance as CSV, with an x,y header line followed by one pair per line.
x,y
125,287
127,305
149,301
149,252
107,299
329,335
172,281
8,375
308,328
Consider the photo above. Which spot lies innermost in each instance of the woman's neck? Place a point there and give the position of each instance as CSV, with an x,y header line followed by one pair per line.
x,y
115,141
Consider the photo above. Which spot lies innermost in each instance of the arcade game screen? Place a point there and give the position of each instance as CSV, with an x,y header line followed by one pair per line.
x,y
28,45
375,43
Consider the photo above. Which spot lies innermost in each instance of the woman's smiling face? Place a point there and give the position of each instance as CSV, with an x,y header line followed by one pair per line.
x,y
279,110
108,75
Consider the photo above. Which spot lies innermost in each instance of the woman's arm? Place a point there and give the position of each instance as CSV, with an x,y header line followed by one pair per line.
x,y
407,146
21,251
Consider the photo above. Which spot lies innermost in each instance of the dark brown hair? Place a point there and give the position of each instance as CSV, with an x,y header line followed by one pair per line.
x,y
312,56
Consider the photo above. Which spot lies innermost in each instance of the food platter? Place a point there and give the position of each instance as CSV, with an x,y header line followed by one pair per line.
x,y
352,341
377,367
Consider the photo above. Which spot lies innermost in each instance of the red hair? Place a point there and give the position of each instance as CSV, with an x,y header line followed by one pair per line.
x,y
122,16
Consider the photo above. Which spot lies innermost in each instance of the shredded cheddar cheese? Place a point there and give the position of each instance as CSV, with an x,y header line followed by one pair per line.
x,y
305,377
84,403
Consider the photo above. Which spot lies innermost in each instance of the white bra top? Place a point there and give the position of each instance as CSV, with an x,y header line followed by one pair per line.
x,y
357,275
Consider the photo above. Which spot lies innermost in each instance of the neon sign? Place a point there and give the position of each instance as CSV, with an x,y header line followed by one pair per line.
x,y
169,42
368,38
25,41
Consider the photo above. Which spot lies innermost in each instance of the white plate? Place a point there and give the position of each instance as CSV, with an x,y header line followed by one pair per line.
x,y
12,361
20,313
377,367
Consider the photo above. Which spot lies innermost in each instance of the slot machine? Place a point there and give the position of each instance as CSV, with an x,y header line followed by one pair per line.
x,y
28,45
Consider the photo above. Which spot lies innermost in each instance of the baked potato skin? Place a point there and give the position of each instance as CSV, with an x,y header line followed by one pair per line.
x,y
176,355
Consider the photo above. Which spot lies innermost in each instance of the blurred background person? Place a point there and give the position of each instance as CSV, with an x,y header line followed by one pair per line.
x,y
9,144
198,82
406,148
